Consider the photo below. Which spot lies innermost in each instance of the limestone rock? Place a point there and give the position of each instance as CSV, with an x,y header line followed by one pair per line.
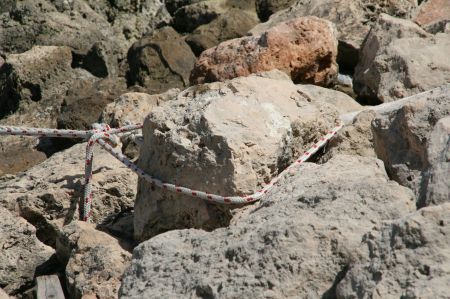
x,y
296,244
239,132
21,253
232,24
48,194
193,13
405,258
399,59
288,47
160,62
265,8
95,261
412,139
433,15
352,19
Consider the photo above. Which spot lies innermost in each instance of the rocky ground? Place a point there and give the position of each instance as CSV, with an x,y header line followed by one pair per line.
x,y
231,92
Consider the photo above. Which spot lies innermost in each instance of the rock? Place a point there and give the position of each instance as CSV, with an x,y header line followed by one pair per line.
x,y
433,15
265,8
287,47
95,261
22,255
95,94
48,194
3,295
352,19
399,59
296,243
191,14
160,62
99,60
412,139
232,24
340,100
404,258
240,132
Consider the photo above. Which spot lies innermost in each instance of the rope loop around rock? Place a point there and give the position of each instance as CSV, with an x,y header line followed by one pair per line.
x,y
107,138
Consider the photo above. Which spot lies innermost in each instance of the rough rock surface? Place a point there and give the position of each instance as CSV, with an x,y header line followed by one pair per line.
x,y
160,62
296,244
95,261
352,19
433,15
240,132
412,138
265,8
232,24
48,194
20,253
304,48
399,59
406,258
3,294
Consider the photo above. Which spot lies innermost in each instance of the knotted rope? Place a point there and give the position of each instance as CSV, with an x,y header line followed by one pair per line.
x,y
104,135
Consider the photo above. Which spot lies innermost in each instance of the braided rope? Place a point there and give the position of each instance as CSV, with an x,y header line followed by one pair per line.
x,y
103,135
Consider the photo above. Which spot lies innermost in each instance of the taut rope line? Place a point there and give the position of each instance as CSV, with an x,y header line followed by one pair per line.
x,y
104,135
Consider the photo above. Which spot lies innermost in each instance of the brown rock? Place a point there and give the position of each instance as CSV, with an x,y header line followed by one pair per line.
x,y
160,62
304,48
433,15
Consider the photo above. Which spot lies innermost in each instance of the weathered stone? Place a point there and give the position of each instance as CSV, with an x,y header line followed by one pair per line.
x,y
352,19
192,14
95,261
304,48
160,62
21,254
399,59
3,294
406,258
412,140
232,24
433,15
296,243
240,132
48,194
95,94
265,8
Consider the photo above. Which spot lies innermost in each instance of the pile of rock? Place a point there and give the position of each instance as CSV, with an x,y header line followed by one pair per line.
x,y
227,104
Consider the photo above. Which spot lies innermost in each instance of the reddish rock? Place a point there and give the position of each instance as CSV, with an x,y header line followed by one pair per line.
x,y
305,48
432,15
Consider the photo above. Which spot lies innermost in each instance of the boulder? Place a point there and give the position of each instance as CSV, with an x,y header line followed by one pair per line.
x,y
160,62
399,59
296,243
265,8
232,24
193,13
288,47
433,15
95,261
48,194
405,258
95,94
412,139
352,19
22,255
240,132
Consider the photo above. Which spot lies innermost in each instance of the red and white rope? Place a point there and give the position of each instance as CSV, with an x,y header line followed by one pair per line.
x,y
102,135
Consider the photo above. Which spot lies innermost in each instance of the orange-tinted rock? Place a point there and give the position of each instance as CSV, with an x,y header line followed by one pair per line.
x,y
432,15
304,48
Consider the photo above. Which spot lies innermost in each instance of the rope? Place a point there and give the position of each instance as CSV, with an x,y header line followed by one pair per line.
x,y
103,135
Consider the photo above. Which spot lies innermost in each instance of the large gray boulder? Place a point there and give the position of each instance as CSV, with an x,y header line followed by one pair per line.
x,y
412,139
405,258
399,59
21,253
48,195
240,133
296,243
352,19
